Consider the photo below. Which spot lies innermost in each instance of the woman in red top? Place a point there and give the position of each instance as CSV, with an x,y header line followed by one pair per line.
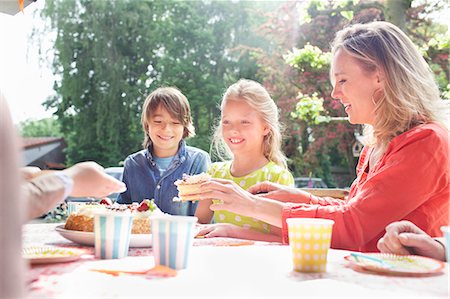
x,y
403,173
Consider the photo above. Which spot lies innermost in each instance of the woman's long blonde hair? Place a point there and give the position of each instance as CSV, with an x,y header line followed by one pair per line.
x,y
259,99
410,96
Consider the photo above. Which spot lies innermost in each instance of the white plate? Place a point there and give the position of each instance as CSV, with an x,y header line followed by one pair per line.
x,y
399,264
87,238
50,254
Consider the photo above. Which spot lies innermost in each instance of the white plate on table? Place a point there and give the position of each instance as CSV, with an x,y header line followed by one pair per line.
x,y
87,238
50,254
410,265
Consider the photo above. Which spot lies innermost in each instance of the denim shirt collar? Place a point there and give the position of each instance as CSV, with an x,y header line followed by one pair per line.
x,y
180,156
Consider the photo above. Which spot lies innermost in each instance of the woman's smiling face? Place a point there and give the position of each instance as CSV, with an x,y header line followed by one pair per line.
x,y
355,87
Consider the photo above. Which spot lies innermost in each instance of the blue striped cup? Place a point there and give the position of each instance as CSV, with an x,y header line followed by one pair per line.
x,y
172,240
73,207
112,232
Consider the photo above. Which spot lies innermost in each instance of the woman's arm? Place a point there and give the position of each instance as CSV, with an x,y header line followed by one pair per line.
x,y
283,193
410,174
234,199
413,171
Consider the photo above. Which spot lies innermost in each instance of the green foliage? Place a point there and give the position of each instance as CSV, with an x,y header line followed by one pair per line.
x,y
309,108
348,14
432,39
309,58
315,145
446,93
111,54
48,127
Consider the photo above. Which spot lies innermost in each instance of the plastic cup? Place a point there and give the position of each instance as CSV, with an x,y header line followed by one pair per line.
x,y
112,232
446,231
310,240
73,207
172,240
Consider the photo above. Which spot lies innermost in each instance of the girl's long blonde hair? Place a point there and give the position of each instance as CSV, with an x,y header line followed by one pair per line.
x,y
259,99
410,96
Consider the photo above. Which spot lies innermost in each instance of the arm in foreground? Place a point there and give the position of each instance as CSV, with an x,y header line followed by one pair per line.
x,y
83,179
404,237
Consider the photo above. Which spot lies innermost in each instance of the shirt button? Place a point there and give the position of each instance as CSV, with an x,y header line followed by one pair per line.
x,y
158,187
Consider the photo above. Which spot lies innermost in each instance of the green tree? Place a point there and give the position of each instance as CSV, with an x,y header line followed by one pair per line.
x,y
396,12
47,127
316,143
111,54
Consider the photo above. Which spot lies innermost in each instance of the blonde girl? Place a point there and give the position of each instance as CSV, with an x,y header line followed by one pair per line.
x,y
249,134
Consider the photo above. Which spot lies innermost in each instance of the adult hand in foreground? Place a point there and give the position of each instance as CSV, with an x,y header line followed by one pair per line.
x,y
90,179
29,172
404,237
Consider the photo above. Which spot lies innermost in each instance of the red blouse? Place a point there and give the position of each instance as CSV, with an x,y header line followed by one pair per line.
x,y
410,181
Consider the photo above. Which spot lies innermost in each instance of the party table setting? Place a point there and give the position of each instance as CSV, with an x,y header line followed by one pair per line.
x,y
64,266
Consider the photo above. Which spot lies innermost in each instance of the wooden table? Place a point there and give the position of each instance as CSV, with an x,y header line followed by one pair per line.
x,y
262,270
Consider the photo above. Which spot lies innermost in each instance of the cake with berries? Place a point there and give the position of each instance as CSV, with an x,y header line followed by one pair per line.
x,y
141,216
189,186
83,218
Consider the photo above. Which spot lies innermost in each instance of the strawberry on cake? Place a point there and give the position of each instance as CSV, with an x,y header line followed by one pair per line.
x,y
83,219
188,186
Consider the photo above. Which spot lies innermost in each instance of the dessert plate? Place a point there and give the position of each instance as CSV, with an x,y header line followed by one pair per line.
x,y
396,264
87,238
50,254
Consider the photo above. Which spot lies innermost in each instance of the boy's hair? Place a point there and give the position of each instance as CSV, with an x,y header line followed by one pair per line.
x,y
176,104
410,95
259,99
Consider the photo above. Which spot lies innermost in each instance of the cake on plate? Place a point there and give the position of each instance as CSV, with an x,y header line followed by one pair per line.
x,y
83,218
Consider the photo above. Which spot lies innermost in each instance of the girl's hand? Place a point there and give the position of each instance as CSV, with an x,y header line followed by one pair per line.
x,y
280,192
217,230
233,198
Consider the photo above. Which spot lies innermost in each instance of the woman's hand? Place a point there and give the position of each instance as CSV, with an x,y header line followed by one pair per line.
x,y
235,199
404,237
280,192
90,179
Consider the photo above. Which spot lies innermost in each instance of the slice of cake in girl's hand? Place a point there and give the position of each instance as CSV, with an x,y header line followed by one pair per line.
x,y
188,186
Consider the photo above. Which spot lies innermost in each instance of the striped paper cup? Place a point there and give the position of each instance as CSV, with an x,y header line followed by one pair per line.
x,y
73,207
112,232
172,240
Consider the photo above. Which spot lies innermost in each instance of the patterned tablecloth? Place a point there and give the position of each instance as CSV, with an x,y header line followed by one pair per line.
x,y
217,269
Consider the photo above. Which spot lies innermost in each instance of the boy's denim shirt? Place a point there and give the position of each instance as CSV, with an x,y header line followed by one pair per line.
x,y
143,179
